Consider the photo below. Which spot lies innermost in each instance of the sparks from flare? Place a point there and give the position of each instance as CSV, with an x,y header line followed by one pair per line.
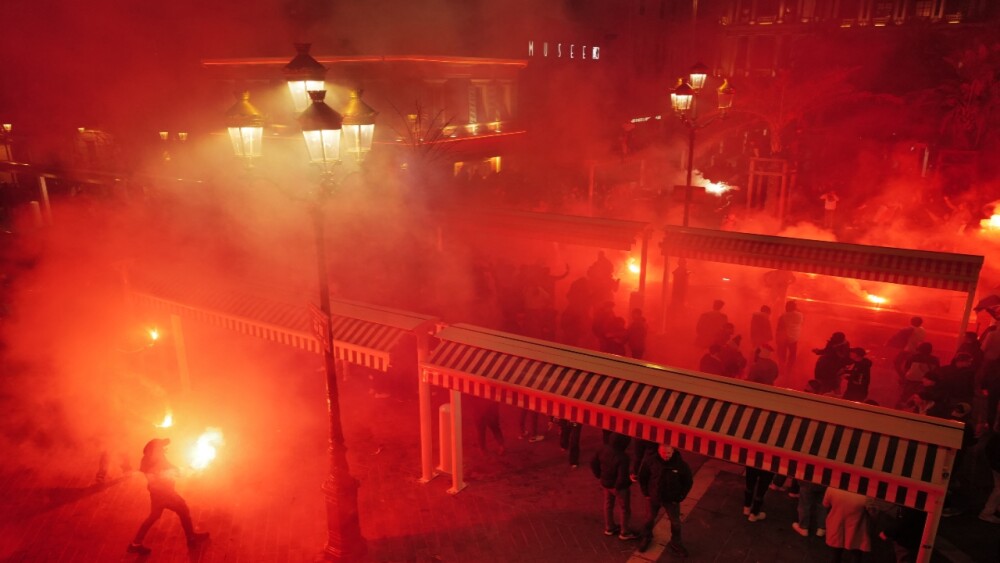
x,y
204,450
168,420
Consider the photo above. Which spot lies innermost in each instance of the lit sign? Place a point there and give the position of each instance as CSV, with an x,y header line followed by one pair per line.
x,y
564,50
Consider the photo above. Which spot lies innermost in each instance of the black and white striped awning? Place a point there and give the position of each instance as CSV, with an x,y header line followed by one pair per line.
x,y
958,272
873,451
362,334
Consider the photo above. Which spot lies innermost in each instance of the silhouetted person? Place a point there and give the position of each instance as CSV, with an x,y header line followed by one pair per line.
x,y
611,466
907,340
160,475
712,362
710,323
858,376
487,415
635,334
787,334
832,358
760,327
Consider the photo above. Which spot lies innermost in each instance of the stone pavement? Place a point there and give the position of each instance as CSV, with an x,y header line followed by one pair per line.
x,y
261,499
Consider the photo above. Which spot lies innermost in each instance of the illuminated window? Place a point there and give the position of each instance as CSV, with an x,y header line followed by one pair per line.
x,y
923,8
883,9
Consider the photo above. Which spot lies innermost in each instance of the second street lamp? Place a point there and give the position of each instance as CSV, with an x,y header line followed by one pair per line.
x,y
683,101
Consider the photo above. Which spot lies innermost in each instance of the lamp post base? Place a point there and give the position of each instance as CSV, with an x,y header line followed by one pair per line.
x,y
344,540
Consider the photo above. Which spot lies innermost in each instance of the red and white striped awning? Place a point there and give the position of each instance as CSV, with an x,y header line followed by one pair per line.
x,y
362,334
891,455
958,272
617,234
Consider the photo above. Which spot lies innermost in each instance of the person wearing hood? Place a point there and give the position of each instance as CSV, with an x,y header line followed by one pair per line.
x,y
160,476
665,479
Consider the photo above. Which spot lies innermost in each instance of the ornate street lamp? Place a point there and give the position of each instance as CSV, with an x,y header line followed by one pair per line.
x,y
246,128
359,126
304,74
697,77
321,129
683,101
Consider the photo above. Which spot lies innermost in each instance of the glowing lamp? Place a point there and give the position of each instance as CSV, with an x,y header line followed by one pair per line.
x,y
182,136
304,74
246,127
682,98
7,127
698,74
726,94
359,126
321,128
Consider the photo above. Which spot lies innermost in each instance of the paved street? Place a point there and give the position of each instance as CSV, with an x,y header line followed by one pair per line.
x,y
261,500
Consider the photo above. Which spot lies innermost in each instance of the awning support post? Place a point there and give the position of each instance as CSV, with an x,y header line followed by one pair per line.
x,y
457,483
424,399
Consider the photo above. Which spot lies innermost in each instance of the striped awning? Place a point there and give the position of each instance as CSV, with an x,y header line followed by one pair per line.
x,y
958,272
596,232
362,334
895,456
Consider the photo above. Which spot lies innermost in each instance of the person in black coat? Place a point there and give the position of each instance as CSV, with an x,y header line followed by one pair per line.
x,y
611,466
832,358
160,475
665,479
858,375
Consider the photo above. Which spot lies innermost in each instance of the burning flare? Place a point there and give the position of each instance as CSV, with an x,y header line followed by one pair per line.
x,y
991,224
876,299
204,450
154,334
633,266
168,420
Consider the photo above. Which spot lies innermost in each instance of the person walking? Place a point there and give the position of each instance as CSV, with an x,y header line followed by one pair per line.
x,y
610,465
787,335
160,477
757,483
665,479
847,524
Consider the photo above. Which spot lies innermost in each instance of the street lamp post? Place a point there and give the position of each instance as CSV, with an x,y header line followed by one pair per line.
x,y
683,101
322,129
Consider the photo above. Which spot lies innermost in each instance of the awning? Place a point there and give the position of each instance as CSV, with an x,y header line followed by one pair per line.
x,y
569,229
891,455
362,334
958,272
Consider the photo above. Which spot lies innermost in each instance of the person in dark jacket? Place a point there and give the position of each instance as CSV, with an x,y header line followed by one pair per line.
x,y
161,474
903,526
665,480
611,466
858,375
832,358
